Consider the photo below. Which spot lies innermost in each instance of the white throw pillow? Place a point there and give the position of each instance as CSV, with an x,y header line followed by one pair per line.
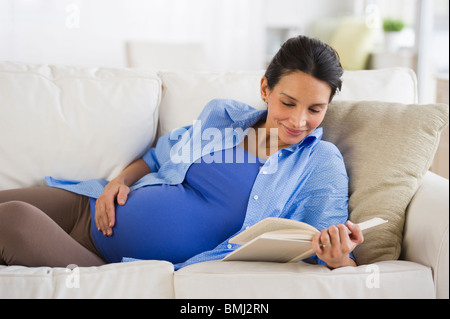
x,y
73,123
185,94
396,85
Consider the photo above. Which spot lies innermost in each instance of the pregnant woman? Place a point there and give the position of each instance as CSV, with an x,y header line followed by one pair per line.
x,y
202,184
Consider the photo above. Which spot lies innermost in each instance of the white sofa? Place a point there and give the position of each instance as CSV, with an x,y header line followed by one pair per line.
x,y
82,123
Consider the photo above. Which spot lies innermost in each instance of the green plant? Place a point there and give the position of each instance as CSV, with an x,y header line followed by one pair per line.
x,y
393,25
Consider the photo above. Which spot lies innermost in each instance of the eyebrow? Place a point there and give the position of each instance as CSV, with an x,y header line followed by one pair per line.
x,y
294,99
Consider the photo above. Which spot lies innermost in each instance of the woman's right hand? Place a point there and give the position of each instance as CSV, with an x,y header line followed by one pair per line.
x,y
117,189
105,213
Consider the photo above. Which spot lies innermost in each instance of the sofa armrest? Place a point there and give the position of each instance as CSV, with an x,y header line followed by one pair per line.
x,y
426,236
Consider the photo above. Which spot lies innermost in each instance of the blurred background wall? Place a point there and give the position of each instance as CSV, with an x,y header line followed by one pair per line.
x,y
222,35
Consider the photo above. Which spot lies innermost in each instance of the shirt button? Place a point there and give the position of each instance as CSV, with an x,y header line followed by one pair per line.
x,y
264,172
256,197
280,154
229,246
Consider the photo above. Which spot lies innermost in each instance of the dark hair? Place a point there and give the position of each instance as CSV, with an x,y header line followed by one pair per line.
x,y
310,56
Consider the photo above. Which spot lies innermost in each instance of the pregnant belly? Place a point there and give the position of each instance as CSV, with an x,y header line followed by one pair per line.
x,y
167,222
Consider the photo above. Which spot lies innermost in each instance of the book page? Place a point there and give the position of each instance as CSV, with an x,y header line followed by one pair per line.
x,y
368,224
290,234
268,225
272,250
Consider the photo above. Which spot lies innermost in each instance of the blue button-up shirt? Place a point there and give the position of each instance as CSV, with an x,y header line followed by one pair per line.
x,y
306,181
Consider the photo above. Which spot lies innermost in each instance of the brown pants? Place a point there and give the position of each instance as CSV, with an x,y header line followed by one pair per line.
x,y
44,226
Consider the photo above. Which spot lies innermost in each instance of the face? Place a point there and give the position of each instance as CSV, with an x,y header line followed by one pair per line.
x,y
296,106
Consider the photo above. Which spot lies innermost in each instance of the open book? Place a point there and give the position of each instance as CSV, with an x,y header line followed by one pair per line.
x,y
280,240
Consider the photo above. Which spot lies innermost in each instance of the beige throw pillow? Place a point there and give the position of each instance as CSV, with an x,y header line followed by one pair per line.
x,y
387,149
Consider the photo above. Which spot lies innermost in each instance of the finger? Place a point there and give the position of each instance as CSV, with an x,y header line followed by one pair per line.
x,y
123,195
316,244
109,219
101,216
98,212
333,231
346,244
357,235
325,240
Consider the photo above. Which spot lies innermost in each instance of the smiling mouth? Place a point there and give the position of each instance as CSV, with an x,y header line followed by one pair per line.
x,y
293,132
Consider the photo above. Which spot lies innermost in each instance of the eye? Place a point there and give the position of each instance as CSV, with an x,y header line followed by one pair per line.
x,y
314,111
288,104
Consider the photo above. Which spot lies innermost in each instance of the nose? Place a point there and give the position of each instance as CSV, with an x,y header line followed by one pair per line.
x,y
299,120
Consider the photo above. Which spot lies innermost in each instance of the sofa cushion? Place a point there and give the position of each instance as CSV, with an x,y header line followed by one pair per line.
x,y
142,279
397,85
186,93
73,123
387,149
257,280
426,235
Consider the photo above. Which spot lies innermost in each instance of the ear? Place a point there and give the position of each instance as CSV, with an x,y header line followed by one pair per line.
x,y
265,90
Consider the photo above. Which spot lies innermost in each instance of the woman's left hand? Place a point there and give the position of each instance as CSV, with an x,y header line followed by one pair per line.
x,y
334,245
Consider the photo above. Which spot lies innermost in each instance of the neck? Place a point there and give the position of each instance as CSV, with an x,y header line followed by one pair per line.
x,y
262,142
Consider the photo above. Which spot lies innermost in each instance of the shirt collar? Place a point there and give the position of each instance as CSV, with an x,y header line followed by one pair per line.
x,y
312,139
246,118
